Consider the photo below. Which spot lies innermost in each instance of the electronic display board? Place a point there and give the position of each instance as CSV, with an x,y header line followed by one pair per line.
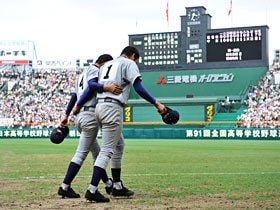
x,y
157,48
198,46
234,45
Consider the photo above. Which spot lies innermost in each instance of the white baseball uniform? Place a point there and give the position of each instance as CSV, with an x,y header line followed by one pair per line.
x,y
109,109
85,121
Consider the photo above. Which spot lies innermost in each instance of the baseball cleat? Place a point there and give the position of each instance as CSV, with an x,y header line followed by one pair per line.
x,y
97,197
70,193
124,192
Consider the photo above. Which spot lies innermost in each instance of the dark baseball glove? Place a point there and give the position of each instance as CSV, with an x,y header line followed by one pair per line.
x,y
58,134
170,117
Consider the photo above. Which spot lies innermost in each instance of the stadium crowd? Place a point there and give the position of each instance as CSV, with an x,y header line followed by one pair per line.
x,y
37,99
263,103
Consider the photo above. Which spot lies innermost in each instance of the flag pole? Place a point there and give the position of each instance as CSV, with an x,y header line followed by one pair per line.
x,y
230,13
167,12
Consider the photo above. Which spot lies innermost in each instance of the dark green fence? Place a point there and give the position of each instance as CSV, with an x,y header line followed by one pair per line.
x,y
165,132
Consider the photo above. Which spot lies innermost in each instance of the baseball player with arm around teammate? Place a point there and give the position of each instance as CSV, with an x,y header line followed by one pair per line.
x,y
109,114
86,124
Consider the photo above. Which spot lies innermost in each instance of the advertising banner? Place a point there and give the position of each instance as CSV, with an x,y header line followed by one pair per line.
x,y
16,51
54,64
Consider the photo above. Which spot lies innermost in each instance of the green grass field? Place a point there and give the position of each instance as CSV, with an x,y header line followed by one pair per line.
x,y
165,174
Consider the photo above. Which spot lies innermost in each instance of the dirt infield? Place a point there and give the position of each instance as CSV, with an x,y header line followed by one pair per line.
x,y
191,202
141,200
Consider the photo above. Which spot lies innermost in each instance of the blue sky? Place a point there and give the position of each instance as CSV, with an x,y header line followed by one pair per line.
x,y
84,28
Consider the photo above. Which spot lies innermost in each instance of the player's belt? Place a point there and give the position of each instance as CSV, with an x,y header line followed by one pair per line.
x,y
88,108
110,100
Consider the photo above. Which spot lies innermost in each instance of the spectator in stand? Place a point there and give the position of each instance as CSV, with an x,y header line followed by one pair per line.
x,y
34,99
263,104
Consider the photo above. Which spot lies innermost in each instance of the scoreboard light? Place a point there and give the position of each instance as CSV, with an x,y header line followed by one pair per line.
x,y
234,45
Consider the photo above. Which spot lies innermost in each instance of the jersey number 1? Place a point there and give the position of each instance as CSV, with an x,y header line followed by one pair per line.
x,y
107,73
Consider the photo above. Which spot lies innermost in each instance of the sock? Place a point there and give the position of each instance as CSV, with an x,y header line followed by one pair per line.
x,y
109,183
97,174
117,185
92,188
105,177
72,171
65,186
116,174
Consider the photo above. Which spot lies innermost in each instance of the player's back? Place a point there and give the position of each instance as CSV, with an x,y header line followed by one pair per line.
x,y
121,71
82,84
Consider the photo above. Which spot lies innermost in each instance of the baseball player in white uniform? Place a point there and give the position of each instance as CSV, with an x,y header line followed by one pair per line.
x,y
85,123
124,72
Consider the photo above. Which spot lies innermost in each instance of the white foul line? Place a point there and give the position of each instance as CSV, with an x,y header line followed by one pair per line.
x,y
163,174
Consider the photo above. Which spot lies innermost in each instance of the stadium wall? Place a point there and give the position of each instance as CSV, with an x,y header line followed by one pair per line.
x,y
158,133
200,83
139,112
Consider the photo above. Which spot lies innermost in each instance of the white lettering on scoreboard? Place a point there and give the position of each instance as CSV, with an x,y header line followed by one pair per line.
x,y
235,36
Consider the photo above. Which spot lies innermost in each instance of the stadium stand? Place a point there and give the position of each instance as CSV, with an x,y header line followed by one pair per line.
x,y
37,98
262,102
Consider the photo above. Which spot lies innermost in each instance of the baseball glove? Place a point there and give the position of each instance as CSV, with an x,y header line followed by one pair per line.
x,y
58,134
170,117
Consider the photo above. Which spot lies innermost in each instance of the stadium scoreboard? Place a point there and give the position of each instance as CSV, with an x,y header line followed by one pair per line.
x,y
234,45
197,46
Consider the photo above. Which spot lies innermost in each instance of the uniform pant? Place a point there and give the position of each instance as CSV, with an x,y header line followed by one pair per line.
x,y
87,126
110,117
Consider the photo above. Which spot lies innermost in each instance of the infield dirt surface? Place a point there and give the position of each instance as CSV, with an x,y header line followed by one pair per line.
x,y
141,200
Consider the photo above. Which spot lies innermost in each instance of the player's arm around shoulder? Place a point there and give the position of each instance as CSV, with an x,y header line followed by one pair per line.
x,y
113,88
